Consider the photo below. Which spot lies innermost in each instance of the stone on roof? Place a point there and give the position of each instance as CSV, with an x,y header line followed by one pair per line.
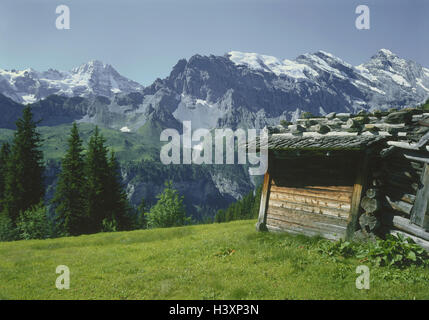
x,y
322,142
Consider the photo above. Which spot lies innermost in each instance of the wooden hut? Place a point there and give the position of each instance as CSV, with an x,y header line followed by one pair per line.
x,y
314,185
349,176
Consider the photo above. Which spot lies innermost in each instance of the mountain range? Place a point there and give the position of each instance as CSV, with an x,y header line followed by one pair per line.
x,y
235,90
91,79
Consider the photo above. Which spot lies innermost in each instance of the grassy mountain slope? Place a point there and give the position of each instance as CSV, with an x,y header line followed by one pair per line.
x,y
218,261
138,153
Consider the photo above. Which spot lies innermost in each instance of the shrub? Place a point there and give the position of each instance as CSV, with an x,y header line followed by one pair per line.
x,y
34,224
394,251
109,225
169,211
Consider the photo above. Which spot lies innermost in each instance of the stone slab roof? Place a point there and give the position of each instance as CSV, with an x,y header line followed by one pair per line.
x,y
407,128
323,142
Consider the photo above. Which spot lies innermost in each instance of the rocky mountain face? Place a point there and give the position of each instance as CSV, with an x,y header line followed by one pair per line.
x,y
91,79
235,90
205,189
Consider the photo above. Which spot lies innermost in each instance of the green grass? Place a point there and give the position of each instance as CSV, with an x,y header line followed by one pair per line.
x,y
217,261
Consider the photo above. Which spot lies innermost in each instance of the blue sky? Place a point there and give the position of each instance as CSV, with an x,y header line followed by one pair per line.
x,y
143,39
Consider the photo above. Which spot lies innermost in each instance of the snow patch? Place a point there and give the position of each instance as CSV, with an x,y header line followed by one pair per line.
x,y
271,64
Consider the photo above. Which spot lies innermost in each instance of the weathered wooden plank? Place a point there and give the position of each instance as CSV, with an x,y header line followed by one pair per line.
x,y
399,205
318,226
406,225
310,233
327,232
286,225
314,201
306,216
343,193
318,189
416,157
420,211
328,195
404,145
308,208
342,188
315,226
361,179
265,194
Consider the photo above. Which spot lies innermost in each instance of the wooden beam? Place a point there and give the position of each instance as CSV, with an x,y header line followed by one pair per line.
x,y
399,205
420,210
406,225
403,145
361,179
261,225
416,157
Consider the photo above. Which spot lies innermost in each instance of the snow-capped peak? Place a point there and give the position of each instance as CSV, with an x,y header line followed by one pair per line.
x,y
386,52
269,64
91,78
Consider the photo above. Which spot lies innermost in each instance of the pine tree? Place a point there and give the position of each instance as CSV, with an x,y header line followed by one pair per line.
x,y
69,198
4,158
97,173
24,187
118,206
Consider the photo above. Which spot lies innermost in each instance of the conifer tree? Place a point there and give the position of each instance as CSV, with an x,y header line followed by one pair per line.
x,y
97,173
4,157
117,206
69,198
24,187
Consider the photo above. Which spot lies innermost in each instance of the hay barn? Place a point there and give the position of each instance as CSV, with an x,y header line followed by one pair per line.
x,y
349,176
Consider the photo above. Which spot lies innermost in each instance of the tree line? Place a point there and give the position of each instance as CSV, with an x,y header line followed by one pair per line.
x,y
89,195
245,208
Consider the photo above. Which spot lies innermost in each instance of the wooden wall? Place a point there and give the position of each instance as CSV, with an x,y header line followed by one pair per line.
x,y
400,181
405,185
311,195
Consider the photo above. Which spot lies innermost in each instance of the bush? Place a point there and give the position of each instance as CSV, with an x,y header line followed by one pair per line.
x,y
109,225
394,251
34,224
7,231
169,211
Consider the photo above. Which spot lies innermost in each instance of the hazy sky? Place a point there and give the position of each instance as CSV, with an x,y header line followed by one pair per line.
x,y
143,39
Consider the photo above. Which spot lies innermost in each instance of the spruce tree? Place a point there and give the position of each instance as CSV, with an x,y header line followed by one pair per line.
x,y
97,171
4,158
117,206
24,187
69,198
